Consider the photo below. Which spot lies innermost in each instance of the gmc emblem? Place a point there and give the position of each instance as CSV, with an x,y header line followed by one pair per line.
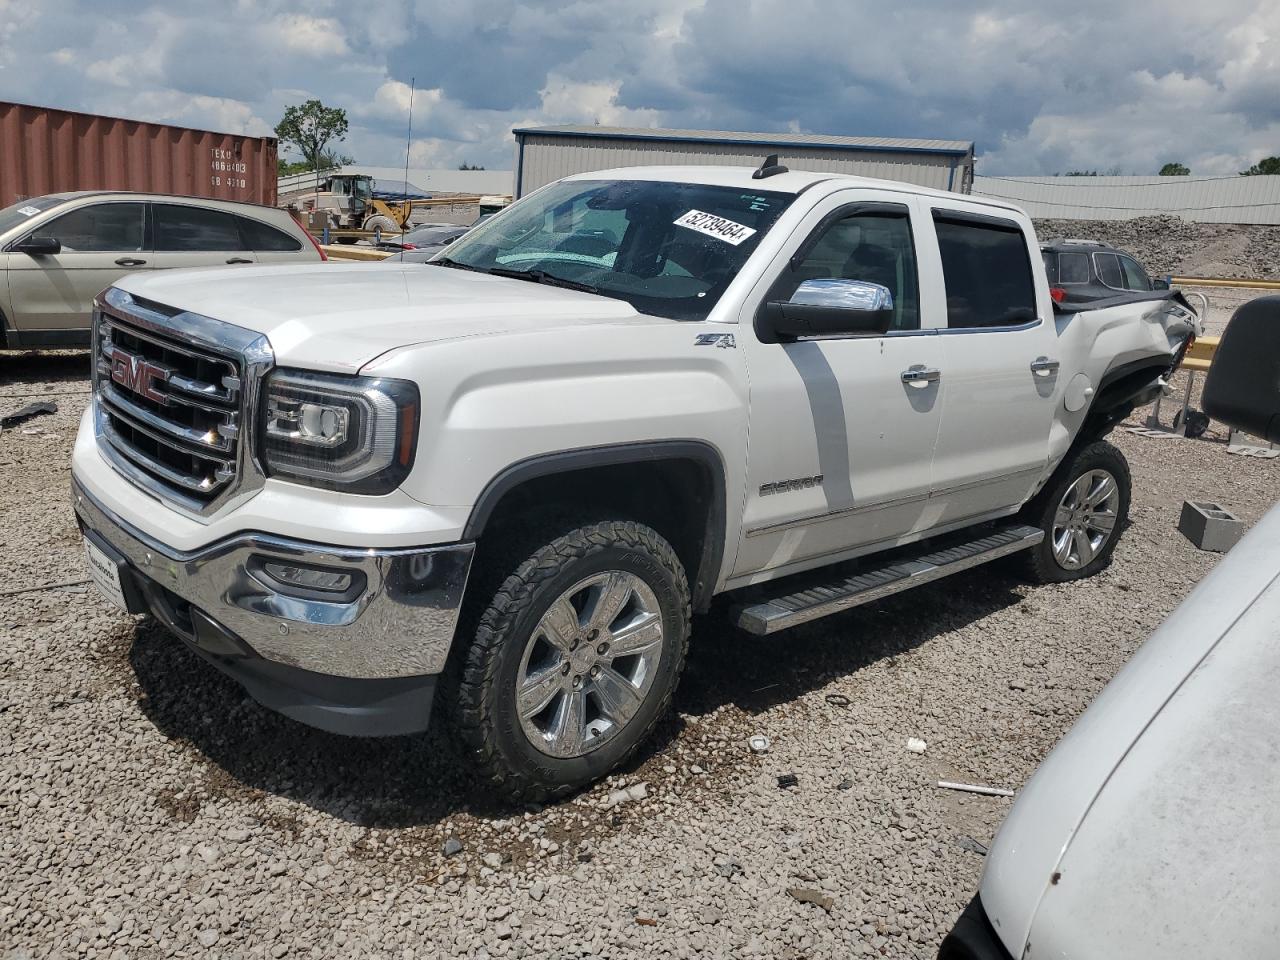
x,y
136,374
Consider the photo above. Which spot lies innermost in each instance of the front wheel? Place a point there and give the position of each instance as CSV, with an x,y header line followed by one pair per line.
x,y
575,659
1082,510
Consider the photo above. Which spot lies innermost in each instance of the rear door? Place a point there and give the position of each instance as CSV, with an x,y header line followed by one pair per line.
x,y
999,363
190,236
53,293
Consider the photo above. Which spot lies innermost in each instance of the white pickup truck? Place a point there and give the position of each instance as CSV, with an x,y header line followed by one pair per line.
x,y
516,472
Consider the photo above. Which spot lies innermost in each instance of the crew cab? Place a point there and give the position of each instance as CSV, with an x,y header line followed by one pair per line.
x,y
506,479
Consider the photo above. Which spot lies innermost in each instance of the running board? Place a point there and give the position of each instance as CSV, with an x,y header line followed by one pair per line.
x,y
824,599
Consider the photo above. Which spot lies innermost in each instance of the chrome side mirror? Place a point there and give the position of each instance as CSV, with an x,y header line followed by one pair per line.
x,y
827,308
859,295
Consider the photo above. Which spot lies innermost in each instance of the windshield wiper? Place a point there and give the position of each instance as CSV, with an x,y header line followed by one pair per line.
x,y
456,264
541,276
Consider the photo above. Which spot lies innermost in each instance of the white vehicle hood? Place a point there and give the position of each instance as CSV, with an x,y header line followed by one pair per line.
x,y
1152,829
338,317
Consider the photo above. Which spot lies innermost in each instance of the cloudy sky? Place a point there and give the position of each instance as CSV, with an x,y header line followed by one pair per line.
x,y
1041,87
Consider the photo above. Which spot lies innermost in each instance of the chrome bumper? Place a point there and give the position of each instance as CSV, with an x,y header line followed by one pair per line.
x,y
401,624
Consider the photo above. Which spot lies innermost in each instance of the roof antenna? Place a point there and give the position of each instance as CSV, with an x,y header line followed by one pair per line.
x,y
770,168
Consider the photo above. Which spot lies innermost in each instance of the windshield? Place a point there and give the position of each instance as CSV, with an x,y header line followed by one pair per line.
x,y
432,234
24,210
669,249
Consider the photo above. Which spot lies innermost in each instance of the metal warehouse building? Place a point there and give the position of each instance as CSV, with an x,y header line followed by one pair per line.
x,y
544,154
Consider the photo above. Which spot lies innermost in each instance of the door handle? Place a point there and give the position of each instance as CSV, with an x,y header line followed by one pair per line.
x,y
130,262
921,377
1043,366
239,260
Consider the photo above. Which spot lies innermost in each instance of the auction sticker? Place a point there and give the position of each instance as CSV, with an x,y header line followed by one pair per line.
x,y
713,226
28,211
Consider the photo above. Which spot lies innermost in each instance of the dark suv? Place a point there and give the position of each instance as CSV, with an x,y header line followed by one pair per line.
x,y
1087,270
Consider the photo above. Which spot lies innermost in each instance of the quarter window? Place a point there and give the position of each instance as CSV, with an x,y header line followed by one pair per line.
x,y
191,229
259,236
875,247
987,271
1073,268
101,227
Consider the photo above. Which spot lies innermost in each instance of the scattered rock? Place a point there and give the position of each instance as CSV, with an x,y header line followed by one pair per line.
x,y
809,895
207,937
916,745
452,847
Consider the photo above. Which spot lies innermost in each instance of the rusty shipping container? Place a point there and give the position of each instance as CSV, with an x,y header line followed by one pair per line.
x,y
50,151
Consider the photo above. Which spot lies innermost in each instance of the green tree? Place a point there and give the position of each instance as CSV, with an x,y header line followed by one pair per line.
x,y
467,166
1175,170
1268,166
309,128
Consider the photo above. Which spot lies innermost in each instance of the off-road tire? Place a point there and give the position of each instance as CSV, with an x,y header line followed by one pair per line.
x,y
1039,565
385,224
483,708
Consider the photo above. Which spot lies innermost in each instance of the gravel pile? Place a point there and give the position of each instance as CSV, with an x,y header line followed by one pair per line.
x,y
1171,245
149,809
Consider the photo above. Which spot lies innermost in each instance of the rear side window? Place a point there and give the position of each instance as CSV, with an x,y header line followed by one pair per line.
x,y
1108,265
259,236
1073,268
194,229
1135,278
102,227
987,271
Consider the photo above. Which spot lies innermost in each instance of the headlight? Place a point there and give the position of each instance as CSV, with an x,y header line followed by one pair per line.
x,y
355,434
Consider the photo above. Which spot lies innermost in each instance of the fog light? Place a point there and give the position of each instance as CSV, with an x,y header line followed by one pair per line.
x,y
308,578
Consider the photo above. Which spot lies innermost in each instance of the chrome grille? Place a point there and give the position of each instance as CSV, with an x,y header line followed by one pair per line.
x,y
172,406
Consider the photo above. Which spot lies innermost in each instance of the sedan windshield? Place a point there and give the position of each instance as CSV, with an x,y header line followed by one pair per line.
x,y
669,249
24,210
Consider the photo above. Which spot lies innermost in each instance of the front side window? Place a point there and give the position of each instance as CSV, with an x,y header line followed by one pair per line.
x,y
986,269
874,247
194,229
1108,265
1135,278
668,249
99,228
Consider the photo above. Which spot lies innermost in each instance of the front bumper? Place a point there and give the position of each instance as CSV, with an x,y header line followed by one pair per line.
x,y
322,661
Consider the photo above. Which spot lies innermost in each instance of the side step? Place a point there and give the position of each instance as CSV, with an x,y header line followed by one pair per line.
x,y
824,599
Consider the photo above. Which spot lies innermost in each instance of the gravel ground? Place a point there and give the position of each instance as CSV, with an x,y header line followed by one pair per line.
x,y
149,809
1171,245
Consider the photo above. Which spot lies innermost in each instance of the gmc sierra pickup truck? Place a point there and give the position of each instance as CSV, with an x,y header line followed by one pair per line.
x,y
505,480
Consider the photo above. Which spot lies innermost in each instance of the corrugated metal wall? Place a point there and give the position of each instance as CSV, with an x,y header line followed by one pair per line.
x,y
1205,199
547,158
50,151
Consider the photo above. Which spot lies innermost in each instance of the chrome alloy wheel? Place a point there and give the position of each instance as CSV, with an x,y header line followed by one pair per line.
x,y
589,664
1085,519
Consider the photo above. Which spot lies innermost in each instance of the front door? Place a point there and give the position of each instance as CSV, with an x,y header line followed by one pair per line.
x,y
840,444
53,293
999,364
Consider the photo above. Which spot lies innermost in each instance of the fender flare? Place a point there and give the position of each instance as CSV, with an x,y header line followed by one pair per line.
x,y
543,465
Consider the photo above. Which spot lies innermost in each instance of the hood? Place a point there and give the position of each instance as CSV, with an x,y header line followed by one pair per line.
x,y
330,316
1106,793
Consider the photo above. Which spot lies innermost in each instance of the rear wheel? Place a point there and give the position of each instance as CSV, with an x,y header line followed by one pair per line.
x,y
1081,510
574,660
385,224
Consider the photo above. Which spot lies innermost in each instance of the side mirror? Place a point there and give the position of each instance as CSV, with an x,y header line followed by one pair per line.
x,y
830,307
39,246
1243,386
1160,283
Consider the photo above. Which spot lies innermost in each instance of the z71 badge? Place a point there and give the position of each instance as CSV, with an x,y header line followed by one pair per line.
x,y
724,341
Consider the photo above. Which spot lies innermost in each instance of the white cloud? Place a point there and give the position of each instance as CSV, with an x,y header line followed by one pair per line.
x,y
312,36
567,101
